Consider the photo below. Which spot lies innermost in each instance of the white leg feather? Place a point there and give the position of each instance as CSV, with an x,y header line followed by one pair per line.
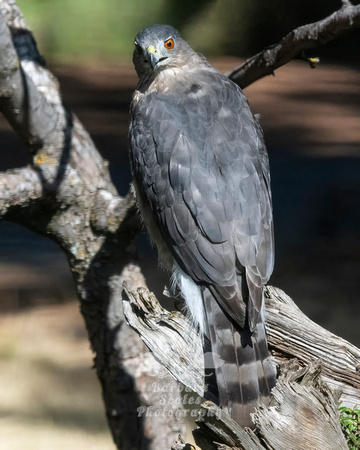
x,y
191,293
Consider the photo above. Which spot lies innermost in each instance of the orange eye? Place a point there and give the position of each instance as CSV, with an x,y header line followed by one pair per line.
x,y
169,44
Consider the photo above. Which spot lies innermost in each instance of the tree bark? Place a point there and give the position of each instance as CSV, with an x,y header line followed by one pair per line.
x,y
294,45
66,194
303,413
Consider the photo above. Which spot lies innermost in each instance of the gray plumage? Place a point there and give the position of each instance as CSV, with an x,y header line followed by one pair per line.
x,y
202,182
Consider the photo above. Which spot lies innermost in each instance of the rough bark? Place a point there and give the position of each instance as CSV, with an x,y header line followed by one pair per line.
x,y
294,44
66,194
303,413
171,337
291,334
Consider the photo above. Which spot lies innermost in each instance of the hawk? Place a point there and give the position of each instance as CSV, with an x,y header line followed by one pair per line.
x,y
201,178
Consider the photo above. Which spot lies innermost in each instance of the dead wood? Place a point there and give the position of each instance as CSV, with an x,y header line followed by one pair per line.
x,y
66,194
303,413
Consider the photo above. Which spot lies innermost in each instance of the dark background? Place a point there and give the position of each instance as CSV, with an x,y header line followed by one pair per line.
x,y
310,119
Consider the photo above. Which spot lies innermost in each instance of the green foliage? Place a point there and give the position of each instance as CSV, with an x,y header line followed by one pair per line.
x,y
350,425
100,29
105,29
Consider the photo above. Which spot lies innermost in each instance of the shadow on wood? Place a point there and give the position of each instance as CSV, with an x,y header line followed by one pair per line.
x,y
303,413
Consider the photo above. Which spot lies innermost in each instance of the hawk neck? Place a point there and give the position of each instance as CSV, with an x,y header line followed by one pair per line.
x,y
171,79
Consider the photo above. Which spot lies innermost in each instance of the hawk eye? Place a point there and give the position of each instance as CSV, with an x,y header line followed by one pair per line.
x,y
169,44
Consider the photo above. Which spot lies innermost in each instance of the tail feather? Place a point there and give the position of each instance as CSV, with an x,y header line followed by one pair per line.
x,y
244,373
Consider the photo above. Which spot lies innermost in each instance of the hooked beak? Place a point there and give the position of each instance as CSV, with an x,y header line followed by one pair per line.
x,y
154,57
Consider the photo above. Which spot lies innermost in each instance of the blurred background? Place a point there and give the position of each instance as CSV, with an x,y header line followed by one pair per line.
x,y
311,120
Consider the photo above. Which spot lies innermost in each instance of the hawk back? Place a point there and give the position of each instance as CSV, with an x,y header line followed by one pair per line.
x,y
202,180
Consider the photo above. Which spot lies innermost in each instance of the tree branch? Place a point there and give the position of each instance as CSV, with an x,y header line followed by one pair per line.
x,y
72,200
18,187
163,332
32,117
68,196
290,333
295,43
326,362
302,414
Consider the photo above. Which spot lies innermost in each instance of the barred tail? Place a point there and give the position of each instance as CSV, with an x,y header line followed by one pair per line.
x,y
243,370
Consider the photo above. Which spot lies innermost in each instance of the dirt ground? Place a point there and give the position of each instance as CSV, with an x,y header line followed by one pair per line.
x,y
49,395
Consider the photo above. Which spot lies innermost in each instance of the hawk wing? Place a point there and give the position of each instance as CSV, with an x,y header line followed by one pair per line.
x,y
201,163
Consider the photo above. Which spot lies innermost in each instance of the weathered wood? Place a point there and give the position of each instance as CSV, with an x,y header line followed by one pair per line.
x,y
303,415
67,195
291,334
170,336
216,430
180,444
304,411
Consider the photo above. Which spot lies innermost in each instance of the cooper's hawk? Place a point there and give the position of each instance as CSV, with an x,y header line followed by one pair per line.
x,y
202,183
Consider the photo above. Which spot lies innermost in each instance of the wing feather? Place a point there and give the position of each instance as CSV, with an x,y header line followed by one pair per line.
x,y
204,171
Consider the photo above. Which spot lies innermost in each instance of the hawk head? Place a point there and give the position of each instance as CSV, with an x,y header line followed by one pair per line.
x,y
157,47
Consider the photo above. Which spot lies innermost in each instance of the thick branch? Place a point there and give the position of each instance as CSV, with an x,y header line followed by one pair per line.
x,y
303,414
163,332
32,117
290,334
70,198
304,410
295,43
73,201
18,187
64,155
